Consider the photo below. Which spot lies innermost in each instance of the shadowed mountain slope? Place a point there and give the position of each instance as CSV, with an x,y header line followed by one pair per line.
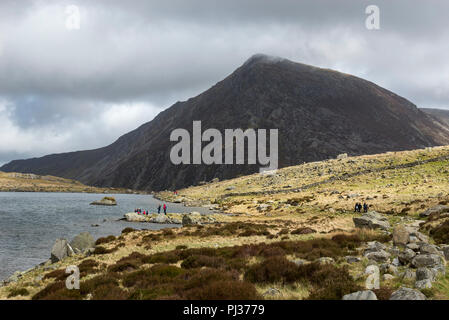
x,y
320,113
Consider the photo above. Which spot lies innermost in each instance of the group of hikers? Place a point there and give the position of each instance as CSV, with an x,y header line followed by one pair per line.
x,y
147,212
358,207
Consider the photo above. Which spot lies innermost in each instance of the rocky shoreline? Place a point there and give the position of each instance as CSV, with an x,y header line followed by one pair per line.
x,y
192,218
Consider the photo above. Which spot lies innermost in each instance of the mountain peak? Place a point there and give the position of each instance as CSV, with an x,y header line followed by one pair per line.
x,y
319,115
263,58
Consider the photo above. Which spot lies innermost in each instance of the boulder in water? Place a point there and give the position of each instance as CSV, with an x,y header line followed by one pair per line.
x,y
106,201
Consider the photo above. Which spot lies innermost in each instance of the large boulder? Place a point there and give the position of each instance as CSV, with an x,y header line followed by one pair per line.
x,y
425,274
82,242
372,281
135,217
378,256
401,236
428,260
361,295
372,220
426,248
61,250
407,294
162,219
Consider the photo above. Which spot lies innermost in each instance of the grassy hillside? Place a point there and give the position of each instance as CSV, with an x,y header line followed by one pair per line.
x,y
19,182
390,183
275,243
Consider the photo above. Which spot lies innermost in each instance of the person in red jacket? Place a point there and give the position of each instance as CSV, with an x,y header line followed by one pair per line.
x,y
165,208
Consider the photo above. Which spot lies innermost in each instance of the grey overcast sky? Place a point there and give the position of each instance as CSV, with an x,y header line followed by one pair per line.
x,y
65,90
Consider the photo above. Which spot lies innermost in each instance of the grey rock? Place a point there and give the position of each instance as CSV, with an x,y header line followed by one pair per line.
x,y
352,259
407,294
413,246
401,236
82,242
427,260
371,220
394,251
361,295
374,246
421,237
387,277
425,274
406,256
423,284
426,248
409,275
162,219
378,256
388,268
396,262
61,250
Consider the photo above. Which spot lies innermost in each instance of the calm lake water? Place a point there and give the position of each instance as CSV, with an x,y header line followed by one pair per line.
x,y
31,222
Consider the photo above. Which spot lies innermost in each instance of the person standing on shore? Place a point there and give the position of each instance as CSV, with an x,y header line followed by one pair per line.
x,y
159,209
165,209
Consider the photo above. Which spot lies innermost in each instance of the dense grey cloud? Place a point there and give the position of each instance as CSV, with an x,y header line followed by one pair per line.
x,y
63,90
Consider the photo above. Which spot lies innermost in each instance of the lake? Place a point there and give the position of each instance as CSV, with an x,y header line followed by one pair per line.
x,y
31,222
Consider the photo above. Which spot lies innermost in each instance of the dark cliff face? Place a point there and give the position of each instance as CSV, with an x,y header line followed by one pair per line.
x,y
319,113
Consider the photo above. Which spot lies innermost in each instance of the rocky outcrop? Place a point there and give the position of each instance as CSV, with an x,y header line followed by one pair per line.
x,y
372,220
193,218
106,201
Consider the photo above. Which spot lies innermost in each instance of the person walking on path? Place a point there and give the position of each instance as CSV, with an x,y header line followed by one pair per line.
x,y
159,209
165,209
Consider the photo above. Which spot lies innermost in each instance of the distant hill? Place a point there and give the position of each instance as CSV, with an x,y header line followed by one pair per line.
x,y
439,114
320,113
25,182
